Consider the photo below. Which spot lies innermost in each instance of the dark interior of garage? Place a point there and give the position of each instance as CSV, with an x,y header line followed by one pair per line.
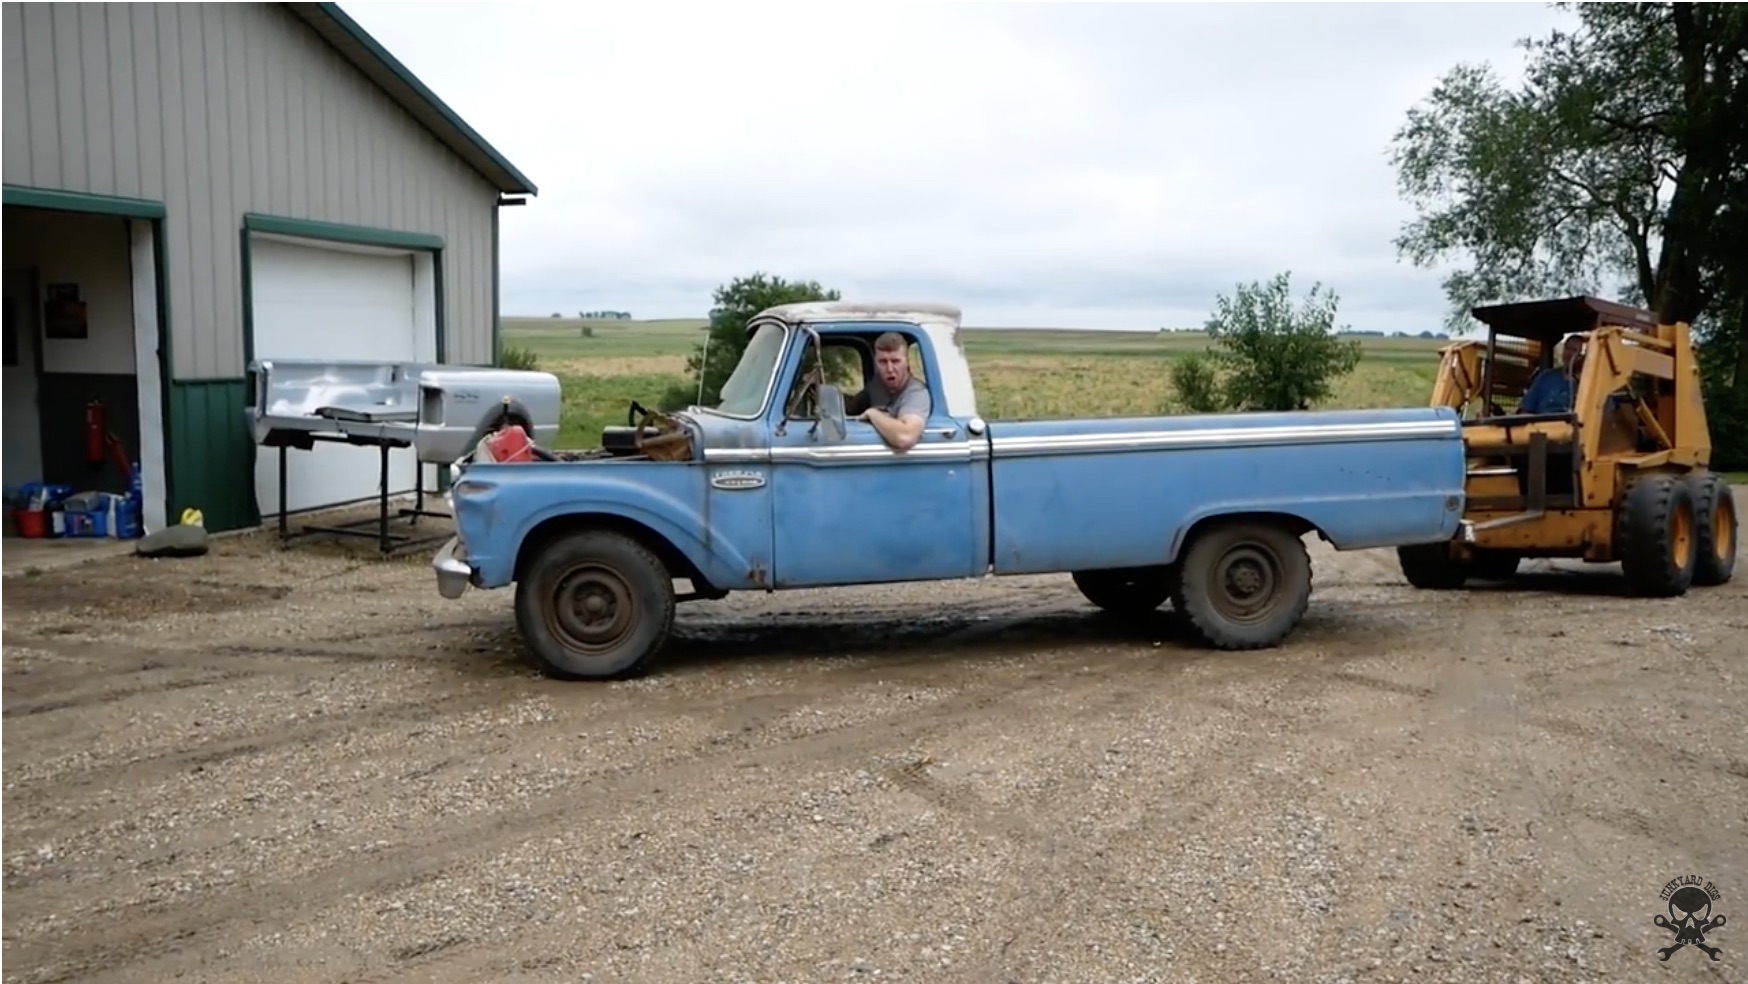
x,y
72,415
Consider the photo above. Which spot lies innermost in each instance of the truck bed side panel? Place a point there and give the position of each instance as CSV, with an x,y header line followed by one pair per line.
x,y
1082,494
673,499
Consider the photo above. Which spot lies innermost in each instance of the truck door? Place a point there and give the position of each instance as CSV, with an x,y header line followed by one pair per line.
x,y
857,512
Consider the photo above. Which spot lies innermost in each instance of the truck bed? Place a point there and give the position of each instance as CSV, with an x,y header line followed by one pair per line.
x,y
1080,494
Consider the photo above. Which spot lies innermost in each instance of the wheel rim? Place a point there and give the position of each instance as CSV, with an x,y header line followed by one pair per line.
x,y
593,610
1244,582
1724,528
1681,539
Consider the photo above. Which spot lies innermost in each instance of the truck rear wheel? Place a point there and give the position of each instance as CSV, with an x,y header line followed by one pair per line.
x,y
1244,585
595,605
1656,539
1128,590
1431,567
1714,515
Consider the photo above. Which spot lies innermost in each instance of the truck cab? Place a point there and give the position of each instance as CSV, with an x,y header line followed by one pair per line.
x,y
781,445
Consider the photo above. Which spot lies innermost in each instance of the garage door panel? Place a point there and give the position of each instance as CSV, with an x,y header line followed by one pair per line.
x,y
313,303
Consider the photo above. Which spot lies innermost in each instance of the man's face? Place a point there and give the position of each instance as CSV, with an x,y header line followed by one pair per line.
x,y
893,368
1572,353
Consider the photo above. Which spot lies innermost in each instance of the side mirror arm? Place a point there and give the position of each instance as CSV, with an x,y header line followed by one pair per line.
x,y
831,413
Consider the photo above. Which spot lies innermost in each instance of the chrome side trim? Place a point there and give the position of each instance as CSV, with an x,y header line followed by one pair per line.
x,y
1231,437
841,454
1201,438
737,456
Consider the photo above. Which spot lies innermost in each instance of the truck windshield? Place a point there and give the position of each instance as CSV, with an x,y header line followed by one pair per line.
x,y
744,393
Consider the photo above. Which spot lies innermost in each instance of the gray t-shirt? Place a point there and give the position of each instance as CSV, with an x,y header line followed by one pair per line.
x,y
913,397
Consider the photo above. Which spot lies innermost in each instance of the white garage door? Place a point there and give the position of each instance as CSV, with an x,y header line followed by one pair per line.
x,y
317,302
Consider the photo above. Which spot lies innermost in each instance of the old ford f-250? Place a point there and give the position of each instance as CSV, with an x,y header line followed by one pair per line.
x,y
772,489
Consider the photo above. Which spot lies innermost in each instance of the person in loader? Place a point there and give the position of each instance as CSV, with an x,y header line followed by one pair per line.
x,y
1553,389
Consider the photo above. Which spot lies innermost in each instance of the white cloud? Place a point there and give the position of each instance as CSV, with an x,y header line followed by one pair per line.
x,y
1076,165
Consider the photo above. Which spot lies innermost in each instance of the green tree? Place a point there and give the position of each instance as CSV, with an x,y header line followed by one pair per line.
x,y
1269,353
733,305
1618,167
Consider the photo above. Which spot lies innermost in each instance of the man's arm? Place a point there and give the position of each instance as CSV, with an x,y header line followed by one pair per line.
x,y
904,427
901,433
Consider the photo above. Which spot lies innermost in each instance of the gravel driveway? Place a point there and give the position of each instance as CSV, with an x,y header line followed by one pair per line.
x,y
304,765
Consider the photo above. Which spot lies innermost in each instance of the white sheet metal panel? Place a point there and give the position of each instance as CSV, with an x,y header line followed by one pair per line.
x,y
316,302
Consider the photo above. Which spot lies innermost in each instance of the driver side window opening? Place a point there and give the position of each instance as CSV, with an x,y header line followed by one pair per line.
x,y
847,361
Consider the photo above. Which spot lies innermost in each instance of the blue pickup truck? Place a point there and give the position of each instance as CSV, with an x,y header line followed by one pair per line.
x,y
778,486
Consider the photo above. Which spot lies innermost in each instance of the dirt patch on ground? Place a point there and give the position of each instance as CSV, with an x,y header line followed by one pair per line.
x,y
305,765
109,592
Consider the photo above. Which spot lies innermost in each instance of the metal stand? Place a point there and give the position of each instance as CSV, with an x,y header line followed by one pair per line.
x,y
387,542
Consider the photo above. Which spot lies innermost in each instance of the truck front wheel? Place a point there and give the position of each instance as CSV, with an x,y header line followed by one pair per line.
x,y
1244,585
595,605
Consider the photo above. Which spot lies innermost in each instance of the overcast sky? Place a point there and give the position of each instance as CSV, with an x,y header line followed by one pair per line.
x,y
1074,165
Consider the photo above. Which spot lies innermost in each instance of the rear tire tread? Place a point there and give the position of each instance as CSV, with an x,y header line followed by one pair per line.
x,y
1193,593
1646,536
1712,499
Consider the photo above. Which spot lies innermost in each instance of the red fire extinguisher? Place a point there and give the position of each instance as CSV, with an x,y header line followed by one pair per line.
x,y
96,431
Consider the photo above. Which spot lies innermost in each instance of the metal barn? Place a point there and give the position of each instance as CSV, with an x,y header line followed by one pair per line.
x,y
189,187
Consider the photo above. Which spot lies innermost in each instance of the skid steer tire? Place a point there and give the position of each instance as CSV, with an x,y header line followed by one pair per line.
x,y
1127,591
1494,565
1656,536
1714,520
1430,567
1244,585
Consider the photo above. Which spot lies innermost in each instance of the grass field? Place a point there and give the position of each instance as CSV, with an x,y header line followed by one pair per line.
x,y
1019,372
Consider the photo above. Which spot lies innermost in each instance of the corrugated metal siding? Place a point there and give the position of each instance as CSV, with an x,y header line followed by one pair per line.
x,y
222,109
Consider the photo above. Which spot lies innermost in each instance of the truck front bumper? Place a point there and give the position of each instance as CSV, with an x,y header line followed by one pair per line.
x,y
453,573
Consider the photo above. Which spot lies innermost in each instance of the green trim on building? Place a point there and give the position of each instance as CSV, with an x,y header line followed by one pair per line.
x,y
334,232
439,315
246,292
497,288
214,469
78,201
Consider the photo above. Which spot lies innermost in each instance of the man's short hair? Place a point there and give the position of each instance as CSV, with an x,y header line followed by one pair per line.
x,y
890,341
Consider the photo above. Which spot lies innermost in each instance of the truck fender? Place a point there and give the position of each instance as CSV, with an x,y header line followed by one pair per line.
x,y
646,513
1254,513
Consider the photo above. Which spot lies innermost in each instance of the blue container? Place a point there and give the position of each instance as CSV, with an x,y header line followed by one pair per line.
x,y
81,525
127,519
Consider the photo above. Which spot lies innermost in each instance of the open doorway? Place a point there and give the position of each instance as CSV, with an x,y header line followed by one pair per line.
x,y
72,356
